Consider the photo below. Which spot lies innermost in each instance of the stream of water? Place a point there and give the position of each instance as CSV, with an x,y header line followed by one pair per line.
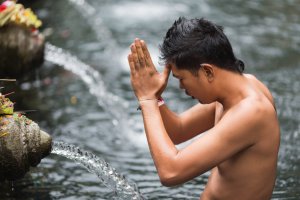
x,y
106,173
113,105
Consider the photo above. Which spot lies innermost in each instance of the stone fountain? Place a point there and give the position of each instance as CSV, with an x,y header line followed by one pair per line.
x,y
22,143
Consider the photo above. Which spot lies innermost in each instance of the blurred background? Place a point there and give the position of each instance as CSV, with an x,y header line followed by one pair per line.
x,y
82,93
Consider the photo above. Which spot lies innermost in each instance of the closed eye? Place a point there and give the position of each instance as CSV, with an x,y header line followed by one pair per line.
x,y
177,77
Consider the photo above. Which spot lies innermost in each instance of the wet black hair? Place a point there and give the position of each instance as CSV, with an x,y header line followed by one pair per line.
x,y
192,42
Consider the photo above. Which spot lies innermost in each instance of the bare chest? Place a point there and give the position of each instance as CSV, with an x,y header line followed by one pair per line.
x,y
235,164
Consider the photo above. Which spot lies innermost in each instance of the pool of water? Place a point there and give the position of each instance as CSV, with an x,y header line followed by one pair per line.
x,y
83,96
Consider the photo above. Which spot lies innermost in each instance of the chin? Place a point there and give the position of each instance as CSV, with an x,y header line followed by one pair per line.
x,y
203,102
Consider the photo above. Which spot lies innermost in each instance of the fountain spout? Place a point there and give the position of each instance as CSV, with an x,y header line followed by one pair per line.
x,y
22,143
46,144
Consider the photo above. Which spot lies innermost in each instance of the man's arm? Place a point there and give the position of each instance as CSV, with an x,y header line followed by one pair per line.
x,y
188,124
236,131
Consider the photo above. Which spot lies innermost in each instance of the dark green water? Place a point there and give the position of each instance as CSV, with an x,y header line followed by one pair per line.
x,y
95,109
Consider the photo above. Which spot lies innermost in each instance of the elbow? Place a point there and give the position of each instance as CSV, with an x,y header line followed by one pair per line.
x,y
169,179
167,183
171,172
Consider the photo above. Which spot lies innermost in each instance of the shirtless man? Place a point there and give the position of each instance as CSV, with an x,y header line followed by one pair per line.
x,y
236,114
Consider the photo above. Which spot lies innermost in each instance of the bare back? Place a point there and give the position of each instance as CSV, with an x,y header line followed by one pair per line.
x,y
251,173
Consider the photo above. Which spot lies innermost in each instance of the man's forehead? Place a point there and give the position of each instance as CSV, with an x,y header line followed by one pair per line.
x,y
173,68
176,72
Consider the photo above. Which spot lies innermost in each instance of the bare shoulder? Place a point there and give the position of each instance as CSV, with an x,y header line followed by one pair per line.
x,y
262,87
254,108
252,116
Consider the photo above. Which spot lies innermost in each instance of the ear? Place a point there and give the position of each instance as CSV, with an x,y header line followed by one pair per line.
x,y
209,71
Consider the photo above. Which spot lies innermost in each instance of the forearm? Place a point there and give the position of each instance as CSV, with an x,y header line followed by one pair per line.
x,y
188,124
171,122
161,146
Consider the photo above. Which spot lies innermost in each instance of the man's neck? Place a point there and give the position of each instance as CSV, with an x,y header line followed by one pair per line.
x,y
232,88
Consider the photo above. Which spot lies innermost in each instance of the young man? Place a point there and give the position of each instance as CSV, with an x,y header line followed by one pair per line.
x,y
236,114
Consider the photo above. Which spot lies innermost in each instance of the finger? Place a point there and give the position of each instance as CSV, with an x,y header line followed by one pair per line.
x,y
131,64
135,57
140,53
148,59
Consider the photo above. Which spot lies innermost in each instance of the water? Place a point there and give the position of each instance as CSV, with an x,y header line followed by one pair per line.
x,y
90,43
114,105
107,174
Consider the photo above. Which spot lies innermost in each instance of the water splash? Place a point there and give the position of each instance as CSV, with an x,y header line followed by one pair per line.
x,y
112,104
107,174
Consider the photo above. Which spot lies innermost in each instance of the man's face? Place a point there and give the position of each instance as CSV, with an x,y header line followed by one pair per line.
x,y
187,81
195,86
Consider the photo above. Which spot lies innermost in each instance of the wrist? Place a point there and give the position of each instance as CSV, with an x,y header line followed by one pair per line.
x,y
159,101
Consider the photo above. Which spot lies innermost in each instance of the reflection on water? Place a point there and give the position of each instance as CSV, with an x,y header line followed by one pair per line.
x,y
264,34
